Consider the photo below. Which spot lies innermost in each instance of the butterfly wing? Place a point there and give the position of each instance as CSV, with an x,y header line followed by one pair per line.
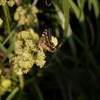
x,y
48,34
49,42
45,41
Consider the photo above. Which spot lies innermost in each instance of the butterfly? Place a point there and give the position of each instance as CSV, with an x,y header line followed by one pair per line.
x,y
45,41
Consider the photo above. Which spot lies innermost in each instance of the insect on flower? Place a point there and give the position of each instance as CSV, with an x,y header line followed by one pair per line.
x,y
45,41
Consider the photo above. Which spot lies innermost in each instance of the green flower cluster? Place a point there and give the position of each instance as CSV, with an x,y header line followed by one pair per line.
x,y
1,21
27,53
5,84
11,3
26,15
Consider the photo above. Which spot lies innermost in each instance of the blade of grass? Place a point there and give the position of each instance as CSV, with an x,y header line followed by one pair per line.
x,y
34,3
96,7
81,4
7,18
65,4
75,9
13,31
89,5
81,17
10,49
59,12
11,95
72,46
3,48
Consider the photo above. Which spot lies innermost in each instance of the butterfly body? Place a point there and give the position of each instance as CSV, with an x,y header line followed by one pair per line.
x,y
45,42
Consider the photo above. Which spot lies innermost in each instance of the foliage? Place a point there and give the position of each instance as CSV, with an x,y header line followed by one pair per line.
x,y
73,72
